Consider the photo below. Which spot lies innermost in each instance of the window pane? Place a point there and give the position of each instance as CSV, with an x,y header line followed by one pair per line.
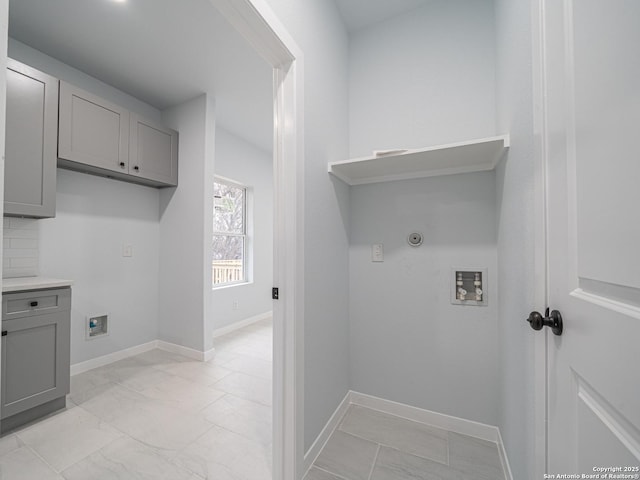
x,y
228,208
228,259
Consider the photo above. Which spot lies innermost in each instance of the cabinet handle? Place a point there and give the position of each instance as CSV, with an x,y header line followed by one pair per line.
x,y
122,164
4,333
136,168
34,304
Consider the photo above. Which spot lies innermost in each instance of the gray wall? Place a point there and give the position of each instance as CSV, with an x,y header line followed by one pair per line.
x,y
517,283
424,78
238,160
164,295
94,218
316,27
408,342
186,223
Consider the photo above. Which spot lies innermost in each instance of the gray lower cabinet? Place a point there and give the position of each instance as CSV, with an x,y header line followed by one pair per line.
x,y
35,354
31,142
99,137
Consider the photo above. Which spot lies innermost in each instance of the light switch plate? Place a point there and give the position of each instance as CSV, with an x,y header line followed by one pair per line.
x,y
377,252
127,250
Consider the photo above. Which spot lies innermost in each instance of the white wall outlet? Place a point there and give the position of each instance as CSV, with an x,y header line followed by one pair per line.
x,y
377,252
127,250
236,305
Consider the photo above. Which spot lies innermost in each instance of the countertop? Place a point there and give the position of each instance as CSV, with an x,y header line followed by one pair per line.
x,y
32,283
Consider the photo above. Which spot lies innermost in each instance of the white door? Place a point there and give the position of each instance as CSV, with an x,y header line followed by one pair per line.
x,y
592,136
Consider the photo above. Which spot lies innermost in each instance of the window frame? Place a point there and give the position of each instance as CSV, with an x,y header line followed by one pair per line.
x,y
245,235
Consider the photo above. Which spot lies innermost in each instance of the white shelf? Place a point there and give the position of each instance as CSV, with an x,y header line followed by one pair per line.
x,y
472,156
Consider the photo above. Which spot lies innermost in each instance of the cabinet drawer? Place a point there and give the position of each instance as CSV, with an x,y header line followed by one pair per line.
x,y
41,302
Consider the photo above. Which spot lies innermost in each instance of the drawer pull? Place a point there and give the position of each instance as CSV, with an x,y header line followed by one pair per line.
x,y
4,333
34,304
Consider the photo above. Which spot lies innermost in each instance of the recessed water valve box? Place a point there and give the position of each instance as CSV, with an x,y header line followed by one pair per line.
x,y
469,287
97,326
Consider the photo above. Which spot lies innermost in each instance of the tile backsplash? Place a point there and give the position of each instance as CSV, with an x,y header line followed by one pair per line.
x,y
21,238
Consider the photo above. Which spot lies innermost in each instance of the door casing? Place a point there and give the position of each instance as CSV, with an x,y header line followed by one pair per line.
x,y
257,23
540,135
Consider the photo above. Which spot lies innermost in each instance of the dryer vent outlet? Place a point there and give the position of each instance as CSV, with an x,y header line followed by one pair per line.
x,y
415,239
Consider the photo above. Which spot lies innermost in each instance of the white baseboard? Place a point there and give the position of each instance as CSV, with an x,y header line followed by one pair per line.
x,y
186,351
82,367
326,432
439,420
503,457
218,332
446,422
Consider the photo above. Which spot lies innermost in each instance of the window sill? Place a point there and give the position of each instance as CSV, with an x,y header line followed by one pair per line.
x,y
230,285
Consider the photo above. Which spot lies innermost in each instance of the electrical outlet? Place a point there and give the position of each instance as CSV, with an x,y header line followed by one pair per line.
x,y
377,252
236,305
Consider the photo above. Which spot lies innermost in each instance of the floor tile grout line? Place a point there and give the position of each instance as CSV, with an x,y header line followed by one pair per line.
x,y
393,447
330,472
59,472
121,435
375,459
241,372
41,458
448,449
252,440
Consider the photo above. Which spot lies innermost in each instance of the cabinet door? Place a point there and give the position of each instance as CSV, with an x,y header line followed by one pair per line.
x,y
92,131
35,361
31,142
153,151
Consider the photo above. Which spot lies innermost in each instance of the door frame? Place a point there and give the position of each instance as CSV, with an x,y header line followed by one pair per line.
x,y
258,24
541,272
4,40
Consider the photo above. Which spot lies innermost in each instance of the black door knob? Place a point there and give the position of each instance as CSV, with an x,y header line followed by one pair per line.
x,y
553,320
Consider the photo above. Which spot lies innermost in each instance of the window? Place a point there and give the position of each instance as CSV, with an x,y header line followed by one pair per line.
x,y
229,233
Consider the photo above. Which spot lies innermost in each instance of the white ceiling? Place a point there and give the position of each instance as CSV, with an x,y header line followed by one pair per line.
x,y
358,14
161,51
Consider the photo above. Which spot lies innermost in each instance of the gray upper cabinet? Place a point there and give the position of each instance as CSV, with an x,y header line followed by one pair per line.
x,y
96,136
93,132
153,151
31,142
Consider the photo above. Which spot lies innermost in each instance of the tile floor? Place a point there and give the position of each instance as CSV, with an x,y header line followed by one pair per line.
x,y
370,445
158,416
